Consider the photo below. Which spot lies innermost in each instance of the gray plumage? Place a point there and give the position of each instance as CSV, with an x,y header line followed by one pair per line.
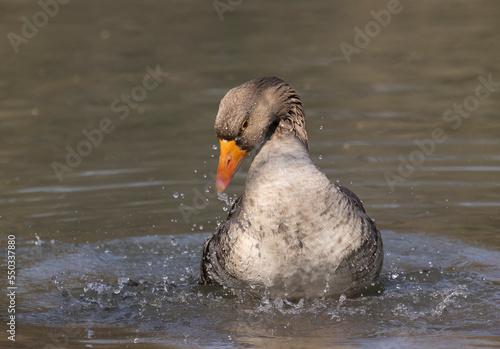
x,y
292,231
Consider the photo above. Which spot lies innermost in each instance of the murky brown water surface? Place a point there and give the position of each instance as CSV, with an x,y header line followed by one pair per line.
x,y
107,254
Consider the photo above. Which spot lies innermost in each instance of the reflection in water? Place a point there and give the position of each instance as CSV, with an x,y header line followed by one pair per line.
x,y
110,256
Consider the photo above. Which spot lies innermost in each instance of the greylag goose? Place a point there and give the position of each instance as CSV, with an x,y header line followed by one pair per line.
x,y
292,232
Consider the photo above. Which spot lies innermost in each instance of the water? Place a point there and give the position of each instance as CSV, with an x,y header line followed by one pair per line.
x,y
109,255
147,286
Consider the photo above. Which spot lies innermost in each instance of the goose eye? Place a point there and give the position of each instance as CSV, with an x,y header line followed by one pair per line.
x,y
244,125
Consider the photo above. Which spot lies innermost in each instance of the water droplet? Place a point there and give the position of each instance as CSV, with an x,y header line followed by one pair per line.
x,y
195,171
214,147
320,157
38,241
123,280
173,241
176,194
321,127
342,299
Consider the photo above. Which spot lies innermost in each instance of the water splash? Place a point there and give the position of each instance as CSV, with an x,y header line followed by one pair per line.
x,y
404,300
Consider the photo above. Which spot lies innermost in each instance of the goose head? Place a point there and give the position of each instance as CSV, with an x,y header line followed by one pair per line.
x,y
248,116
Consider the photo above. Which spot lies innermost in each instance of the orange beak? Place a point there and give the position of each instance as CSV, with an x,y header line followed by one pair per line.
x,y
231,157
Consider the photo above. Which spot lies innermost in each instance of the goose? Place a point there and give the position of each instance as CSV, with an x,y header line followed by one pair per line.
x,y
292,233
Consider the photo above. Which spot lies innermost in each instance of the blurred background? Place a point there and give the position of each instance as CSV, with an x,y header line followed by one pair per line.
x,y
108,156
